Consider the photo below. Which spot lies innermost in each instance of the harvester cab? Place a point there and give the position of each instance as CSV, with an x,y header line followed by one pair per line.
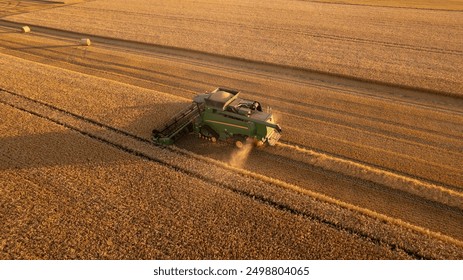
x,y
222,115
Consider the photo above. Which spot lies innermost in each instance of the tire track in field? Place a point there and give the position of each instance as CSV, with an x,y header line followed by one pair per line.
x,y
175,158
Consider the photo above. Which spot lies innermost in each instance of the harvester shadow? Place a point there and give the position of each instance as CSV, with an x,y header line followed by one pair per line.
x,y
52,149
67,147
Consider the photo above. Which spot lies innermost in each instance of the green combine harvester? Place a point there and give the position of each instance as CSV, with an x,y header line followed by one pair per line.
x,y
222,115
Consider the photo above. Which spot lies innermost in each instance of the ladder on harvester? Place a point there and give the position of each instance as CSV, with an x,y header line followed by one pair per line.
x,y
179,123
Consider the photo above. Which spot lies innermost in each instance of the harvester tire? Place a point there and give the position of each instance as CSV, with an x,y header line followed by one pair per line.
x,y
240,141
208,133
239,144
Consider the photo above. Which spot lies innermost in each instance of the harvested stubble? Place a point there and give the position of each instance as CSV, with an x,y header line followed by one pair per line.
x,y
373,43
428,160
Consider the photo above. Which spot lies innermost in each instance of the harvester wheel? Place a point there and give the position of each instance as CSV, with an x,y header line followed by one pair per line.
x,y
239,144
240,141
208,133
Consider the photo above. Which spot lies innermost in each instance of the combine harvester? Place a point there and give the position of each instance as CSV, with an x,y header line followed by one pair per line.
x,y
222,115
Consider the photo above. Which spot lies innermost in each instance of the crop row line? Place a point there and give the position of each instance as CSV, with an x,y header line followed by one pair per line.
x,y
143,148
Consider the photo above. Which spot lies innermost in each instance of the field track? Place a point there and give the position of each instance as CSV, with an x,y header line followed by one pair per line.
x,y
388,153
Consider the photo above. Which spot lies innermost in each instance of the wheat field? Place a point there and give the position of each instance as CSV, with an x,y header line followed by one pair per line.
x,y
368,96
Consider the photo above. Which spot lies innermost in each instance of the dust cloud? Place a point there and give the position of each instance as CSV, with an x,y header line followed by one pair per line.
x,y
239,156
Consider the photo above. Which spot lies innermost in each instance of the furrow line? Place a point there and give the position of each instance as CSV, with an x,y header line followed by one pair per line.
x,y
225,176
